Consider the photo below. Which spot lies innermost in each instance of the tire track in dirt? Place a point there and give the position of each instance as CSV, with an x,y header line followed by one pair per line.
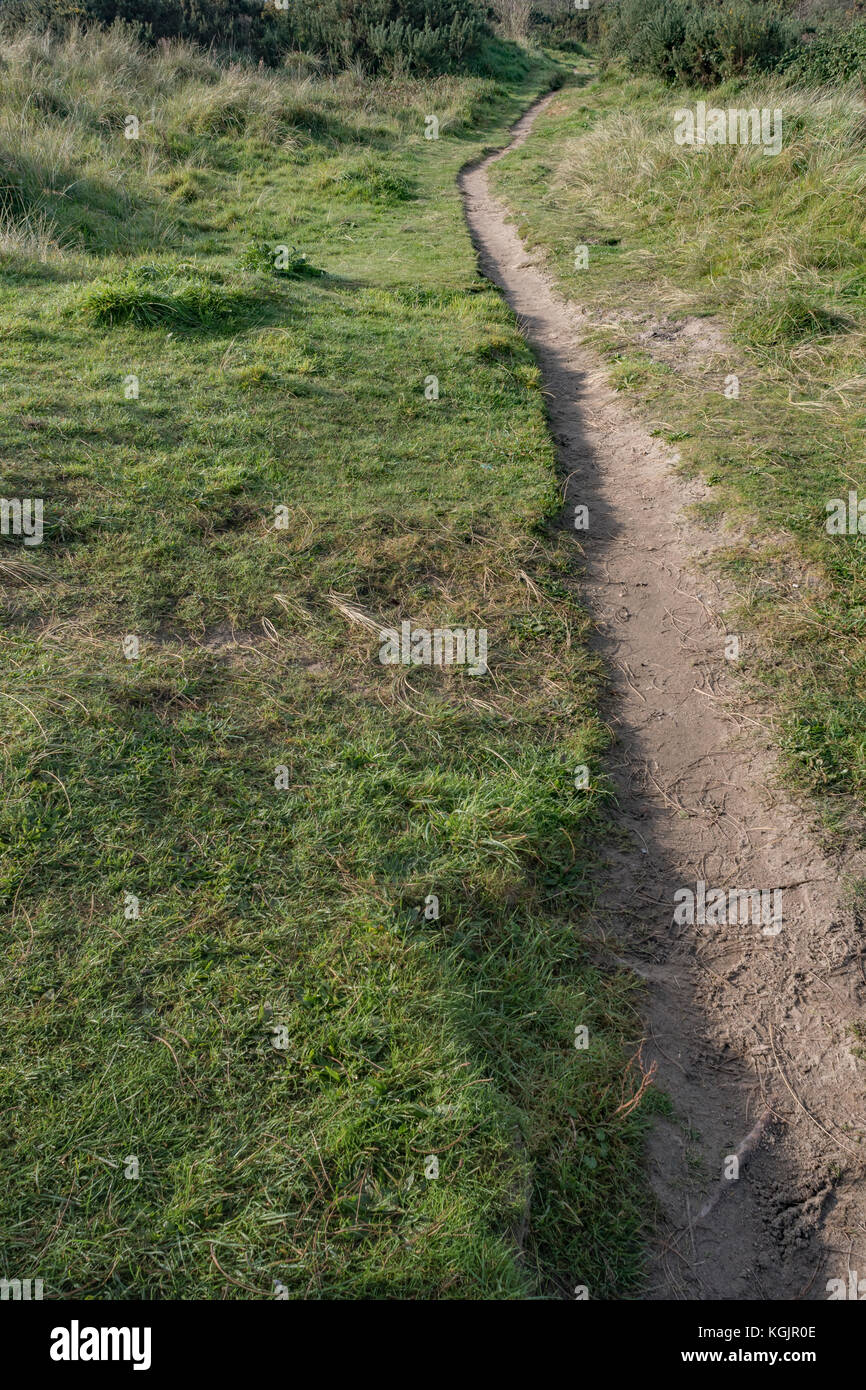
x,y
751,1030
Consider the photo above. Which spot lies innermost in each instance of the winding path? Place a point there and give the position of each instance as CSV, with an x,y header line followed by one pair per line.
x,y
751,1030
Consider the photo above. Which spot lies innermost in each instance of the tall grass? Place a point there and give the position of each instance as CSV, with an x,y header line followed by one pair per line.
x,y
777,238
69,177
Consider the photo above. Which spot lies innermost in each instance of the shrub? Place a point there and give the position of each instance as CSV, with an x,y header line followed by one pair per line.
x,y
566,28
274,258
838,55
424,35
692,42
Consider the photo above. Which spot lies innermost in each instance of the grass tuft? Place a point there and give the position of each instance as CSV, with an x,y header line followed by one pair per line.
x,y
787,318
181,296
368,180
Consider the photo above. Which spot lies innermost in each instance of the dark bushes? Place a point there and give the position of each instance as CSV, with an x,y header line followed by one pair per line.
x,y
837,55
233,24
426,35
415,35
695,42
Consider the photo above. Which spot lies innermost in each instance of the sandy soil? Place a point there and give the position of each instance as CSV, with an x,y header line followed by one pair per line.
x,y
750,1028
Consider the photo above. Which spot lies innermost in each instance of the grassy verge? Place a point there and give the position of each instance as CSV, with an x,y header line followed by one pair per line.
x,y
771,249
286,924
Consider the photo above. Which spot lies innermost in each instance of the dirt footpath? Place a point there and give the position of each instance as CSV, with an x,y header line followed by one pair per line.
x,y
748,1017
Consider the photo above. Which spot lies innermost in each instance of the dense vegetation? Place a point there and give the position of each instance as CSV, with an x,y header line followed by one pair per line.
x,y
411,35
681,41
836,55
705,42
692,41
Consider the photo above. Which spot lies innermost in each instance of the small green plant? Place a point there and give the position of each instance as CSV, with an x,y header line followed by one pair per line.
x,y
275,258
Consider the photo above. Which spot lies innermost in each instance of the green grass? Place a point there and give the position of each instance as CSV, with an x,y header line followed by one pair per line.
x,y
366,180
151,296
774,248
229,841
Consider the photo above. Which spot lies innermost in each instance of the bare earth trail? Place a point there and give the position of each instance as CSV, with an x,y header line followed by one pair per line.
x,y
751,1031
